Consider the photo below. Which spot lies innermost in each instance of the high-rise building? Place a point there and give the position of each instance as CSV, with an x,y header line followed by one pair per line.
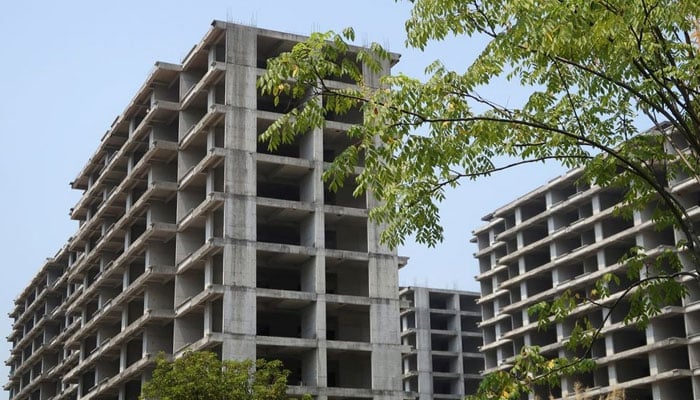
x,y
441,328
193,236
564,236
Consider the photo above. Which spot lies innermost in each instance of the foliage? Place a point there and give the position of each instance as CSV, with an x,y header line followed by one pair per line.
x,y
202,376
595,68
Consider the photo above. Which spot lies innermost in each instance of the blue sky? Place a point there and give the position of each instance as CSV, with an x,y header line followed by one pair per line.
x,y
69,68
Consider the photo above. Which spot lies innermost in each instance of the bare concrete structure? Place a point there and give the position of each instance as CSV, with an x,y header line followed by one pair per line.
x,y
565,236
193,236
441,328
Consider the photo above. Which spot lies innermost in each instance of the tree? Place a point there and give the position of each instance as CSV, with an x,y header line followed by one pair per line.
x,y
202,376
595,69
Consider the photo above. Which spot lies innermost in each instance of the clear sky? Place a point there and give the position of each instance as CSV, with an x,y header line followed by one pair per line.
x,y
68,68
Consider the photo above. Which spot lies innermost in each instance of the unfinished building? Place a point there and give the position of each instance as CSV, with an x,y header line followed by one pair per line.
x,y
193,236
441,329
565,236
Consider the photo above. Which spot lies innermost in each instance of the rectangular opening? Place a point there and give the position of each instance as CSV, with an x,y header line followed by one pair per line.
x,y
347,322
345,233
532,208
440,301
349,369
285,318
347,277
444,364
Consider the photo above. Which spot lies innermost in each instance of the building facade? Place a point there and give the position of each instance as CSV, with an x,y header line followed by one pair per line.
x,y
193,236
441,329
565,236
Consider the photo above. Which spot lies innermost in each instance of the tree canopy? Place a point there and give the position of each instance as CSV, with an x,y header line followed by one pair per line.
x,y
596,70
202,376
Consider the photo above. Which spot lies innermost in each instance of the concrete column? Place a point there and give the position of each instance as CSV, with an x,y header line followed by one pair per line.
x,y
423,344
314,274
240,141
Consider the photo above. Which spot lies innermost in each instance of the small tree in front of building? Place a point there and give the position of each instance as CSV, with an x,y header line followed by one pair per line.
x,y
203,376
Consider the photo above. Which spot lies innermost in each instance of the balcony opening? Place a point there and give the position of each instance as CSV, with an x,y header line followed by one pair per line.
x,y
345,233
670,359
444,364
292,149
544,336
285,318
675,389
349,369
628,339
539,284
336,141
534,234
536,258
616,225
300,362
279,278
445,385
562,193
610,199
279,190
87,381
90,310
217,316
187,330
469,323
136,269
441,301
352,116
471,385
410,363
616,251
284,233
344,196
565,245
285,104
132,389
564,219
134,310
472,365
347,277
443,322
409,340
629,369
134,351
188,285
569,271
533,208
347,322
270,47
89,345
672,327
443,343
408,321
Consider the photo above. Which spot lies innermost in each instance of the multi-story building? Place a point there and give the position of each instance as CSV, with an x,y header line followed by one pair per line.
x,y
441,328
565,236
193,236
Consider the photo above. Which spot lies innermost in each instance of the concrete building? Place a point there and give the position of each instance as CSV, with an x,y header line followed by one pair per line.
x,y
441,328
565,235
193,236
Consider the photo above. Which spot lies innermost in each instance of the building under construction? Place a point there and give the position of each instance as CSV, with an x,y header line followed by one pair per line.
x,y
441,329
564,236
193,236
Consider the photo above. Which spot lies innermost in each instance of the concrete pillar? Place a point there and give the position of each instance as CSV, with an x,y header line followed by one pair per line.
x,y
240,141
423,344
